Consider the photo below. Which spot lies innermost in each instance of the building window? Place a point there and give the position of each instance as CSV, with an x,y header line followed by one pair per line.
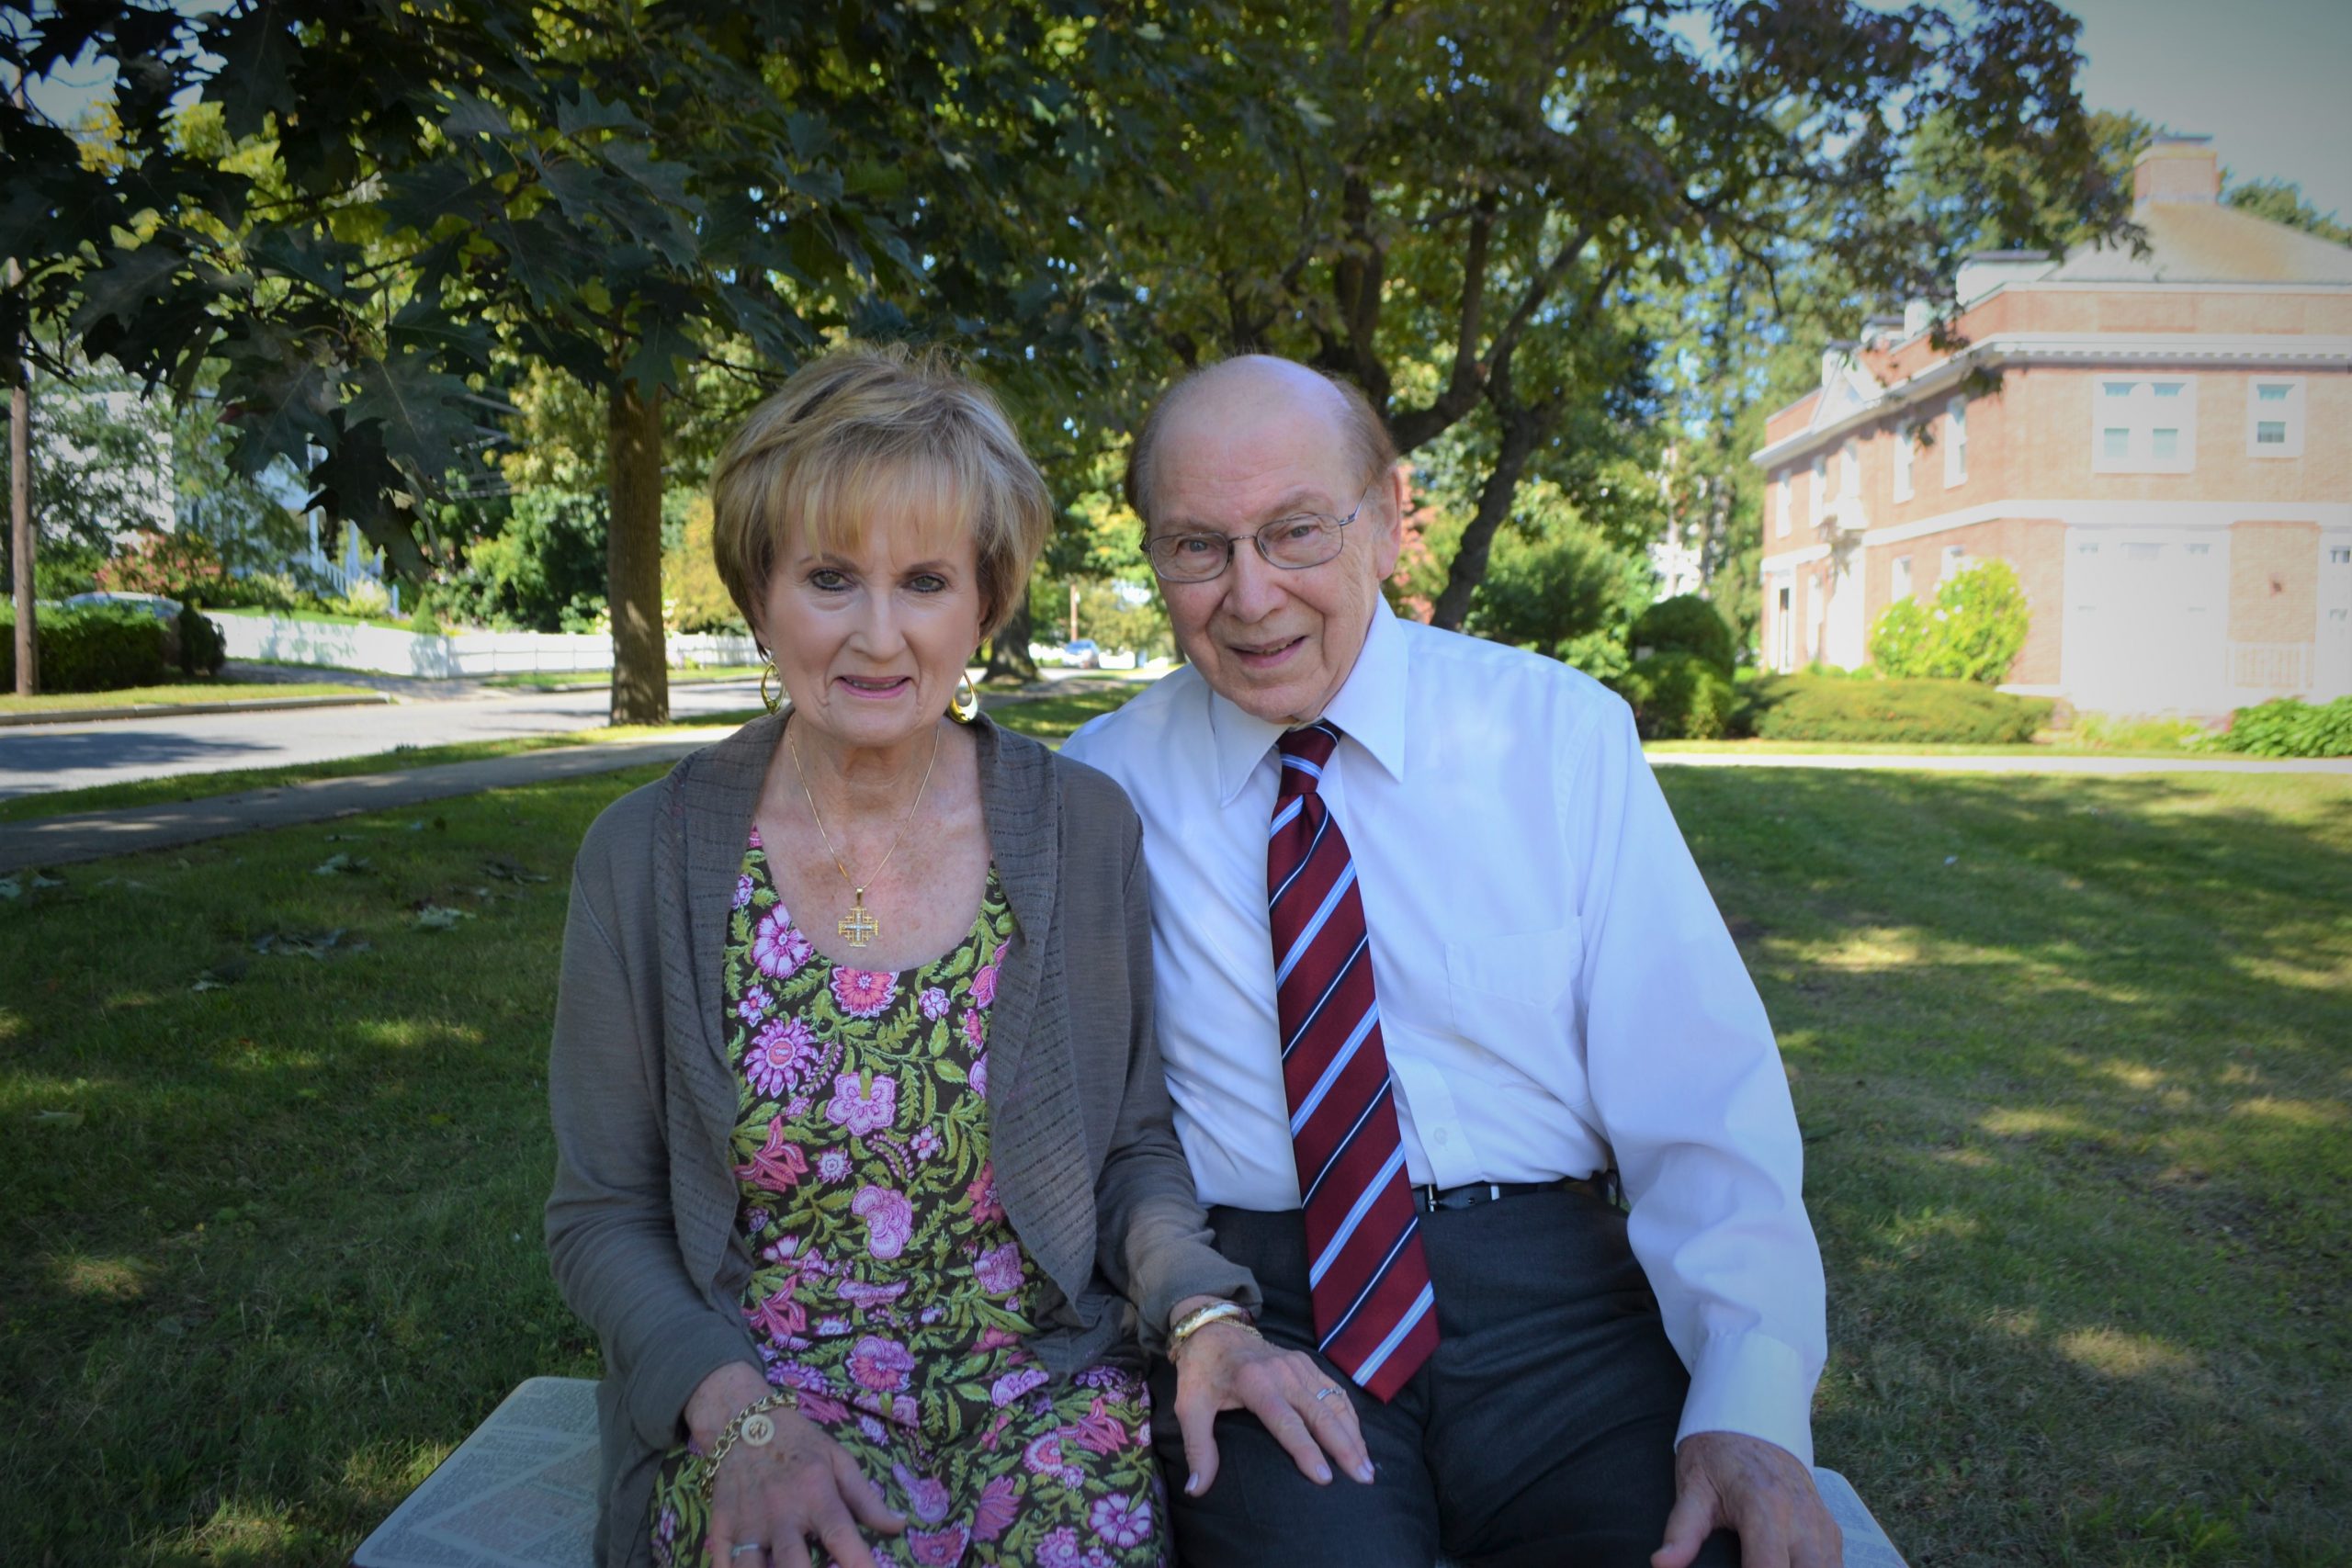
x,y
2340,555
2274,419
1781,505
1953,556
1899,578
1955,443
1817,497
2144,426
1850,470
1902,462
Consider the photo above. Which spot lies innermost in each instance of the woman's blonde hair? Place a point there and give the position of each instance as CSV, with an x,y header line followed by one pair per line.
x,y
872,432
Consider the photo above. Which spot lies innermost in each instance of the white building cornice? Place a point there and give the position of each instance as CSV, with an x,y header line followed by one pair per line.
x,y
2192,350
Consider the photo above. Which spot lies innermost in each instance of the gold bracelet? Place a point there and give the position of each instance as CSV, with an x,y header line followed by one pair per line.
x,y
752,1426
1215,1312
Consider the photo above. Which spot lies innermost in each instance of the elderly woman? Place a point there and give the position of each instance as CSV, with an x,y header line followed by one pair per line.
x,y
860,1124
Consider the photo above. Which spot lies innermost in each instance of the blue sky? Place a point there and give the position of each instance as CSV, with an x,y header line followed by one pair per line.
x,y
2269,80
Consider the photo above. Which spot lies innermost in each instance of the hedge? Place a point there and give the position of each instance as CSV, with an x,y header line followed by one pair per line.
x,y
101,648
1685,624
1678,696
2289,728
1807,707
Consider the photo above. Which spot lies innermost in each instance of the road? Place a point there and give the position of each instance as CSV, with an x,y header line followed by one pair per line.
x,y
39,758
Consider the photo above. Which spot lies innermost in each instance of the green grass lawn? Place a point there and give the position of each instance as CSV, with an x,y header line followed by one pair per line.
x,y
2073,1058
179,694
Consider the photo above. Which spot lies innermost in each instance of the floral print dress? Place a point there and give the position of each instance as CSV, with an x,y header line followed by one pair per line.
x,y
888,1288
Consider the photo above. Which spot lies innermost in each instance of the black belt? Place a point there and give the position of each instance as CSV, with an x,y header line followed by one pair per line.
x,y
1601,1184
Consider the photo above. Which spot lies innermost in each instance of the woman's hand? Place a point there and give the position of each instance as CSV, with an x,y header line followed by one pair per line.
x,y
800,1485
1224,1367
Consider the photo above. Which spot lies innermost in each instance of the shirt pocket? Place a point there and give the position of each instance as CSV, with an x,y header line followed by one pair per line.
x,y
1504,985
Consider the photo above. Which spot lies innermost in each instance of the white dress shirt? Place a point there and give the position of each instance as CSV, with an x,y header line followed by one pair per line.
x,y
1557,991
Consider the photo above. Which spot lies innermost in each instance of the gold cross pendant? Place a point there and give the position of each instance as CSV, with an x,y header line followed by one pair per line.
x,y
858,926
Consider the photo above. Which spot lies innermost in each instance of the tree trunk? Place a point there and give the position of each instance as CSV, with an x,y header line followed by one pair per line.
x,y
1520,429
1009,650
20,515
633,558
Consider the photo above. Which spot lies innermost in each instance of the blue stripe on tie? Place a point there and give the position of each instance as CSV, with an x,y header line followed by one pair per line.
x,y
1331,1074
1316,1010
1322,823
1303,765
1315,923
1287,816
1372,1191
1412,1228
1361,1117
1380,1352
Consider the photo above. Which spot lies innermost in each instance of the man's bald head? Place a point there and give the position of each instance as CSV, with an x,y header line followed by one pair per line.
x,y
1232,388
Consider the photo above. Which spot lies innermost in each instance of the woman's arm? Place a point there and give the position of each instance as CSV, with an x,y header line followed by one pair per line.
x,y
1153,1242
609,1232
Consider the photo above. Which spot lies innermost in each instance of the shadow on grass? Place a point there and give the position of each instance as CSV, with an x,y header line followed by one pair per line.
x,y
2072,1058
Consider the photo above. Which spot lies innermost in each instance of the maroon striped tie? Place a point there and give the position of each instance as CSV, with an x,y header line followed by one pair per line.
x,y
1374,1314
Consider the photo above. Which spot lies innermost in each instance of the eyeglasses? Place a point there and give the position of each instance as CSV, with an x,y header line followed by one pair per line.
x,y
1293,542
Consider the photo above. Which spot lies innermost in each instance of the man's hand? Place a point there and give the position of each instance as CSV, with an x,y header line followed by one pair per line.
x,y
1758,1490
1222,1367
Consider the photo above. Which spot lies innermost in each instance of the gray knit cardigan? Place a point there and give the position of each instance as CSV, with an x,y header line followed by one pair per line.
x,y
641,1223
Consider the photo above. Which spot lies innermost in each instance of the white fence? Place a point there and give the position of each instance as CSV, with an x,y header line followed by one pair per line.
x,y
391,651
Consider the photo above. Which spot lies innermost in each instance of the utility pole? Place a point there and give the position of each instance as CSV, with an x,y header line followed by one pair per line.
x,y
1073,610
20,487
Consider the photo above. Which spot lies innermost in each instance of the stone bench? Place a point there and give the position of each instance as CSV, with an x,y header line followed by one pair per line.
x,y
522,1490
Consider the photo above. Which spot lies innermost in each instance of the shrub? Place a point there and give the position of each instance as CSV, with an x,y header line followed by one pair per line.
x,y
1552,593
544,571
1684,623
1804,707
202,649
102,648
178,565
366,597
2289,728
1972,631
693,598
1678,696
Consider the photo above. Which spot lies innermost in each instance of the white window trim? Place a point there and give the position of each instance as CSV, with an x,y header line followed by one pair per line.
x,y
2138,415
1904,454
1816,506
2290,411
1784,504
1955,443
1898,578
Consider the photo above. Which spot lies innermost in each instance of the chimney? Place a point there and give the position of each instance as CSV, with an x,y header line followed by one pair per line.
x,y
2177,168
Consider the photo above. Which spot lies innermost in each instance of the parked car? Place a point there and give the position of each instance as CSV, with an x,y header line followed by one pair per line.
x,y
1082,654
155,604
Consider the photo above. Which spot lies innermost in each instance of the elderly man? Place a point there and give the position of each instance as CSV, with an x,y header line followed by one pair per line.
x,y
1435,973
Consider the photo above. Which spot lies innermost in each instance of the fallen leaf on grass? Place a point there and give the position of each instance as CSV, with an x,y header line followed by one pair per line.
x,y
58,1118
509,871
221,976
440,918
317,944
339,863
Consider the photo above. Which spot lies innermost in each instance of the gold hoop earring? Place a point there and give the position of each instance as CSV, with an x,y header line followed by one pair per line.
x,y
963,712
775,699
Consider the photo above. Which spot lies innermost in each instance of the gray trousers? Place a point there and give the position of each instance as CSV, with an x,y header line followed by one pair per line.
x,y
1540,1434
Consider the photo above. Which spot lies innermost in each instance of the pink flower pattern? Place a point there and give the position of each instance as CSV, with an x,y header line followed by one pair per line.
x,y
889,1289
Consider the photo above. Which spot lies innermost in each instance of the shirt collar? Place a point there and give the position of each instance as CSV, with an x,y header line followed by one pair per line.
x,y
1369,709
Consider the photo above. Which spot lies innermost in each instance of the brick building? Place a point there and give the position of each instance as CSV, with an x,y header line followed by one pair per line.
x,y
2167,463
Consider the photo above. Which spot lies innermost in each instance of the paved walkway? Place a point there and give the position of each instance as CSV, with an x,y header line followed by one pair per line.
x,y
61,841
91,835
1886,762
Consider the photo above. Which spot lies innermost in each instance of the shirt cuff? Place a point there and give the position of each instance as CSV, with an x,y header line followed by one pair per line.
x,y
676,1367
1751,1384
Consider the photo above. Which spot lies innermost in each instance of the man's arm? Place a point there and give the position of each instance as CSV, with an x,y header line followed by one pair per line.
x,y
1693,1098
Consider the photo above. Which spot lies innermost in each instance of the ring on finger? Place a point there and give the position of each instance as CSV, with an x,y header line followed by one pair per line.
x,y
1324,1392
747,1546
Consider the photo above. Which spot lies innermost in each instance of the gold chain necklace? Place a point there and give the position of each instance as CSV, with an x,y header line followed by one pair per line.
x,y
859,926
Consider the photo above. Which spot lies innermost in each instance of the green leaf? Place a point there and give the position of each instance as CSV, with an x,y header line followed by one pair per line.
x,y
660,351
424,326
469,116
130,280
256,49
588,112
316,260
